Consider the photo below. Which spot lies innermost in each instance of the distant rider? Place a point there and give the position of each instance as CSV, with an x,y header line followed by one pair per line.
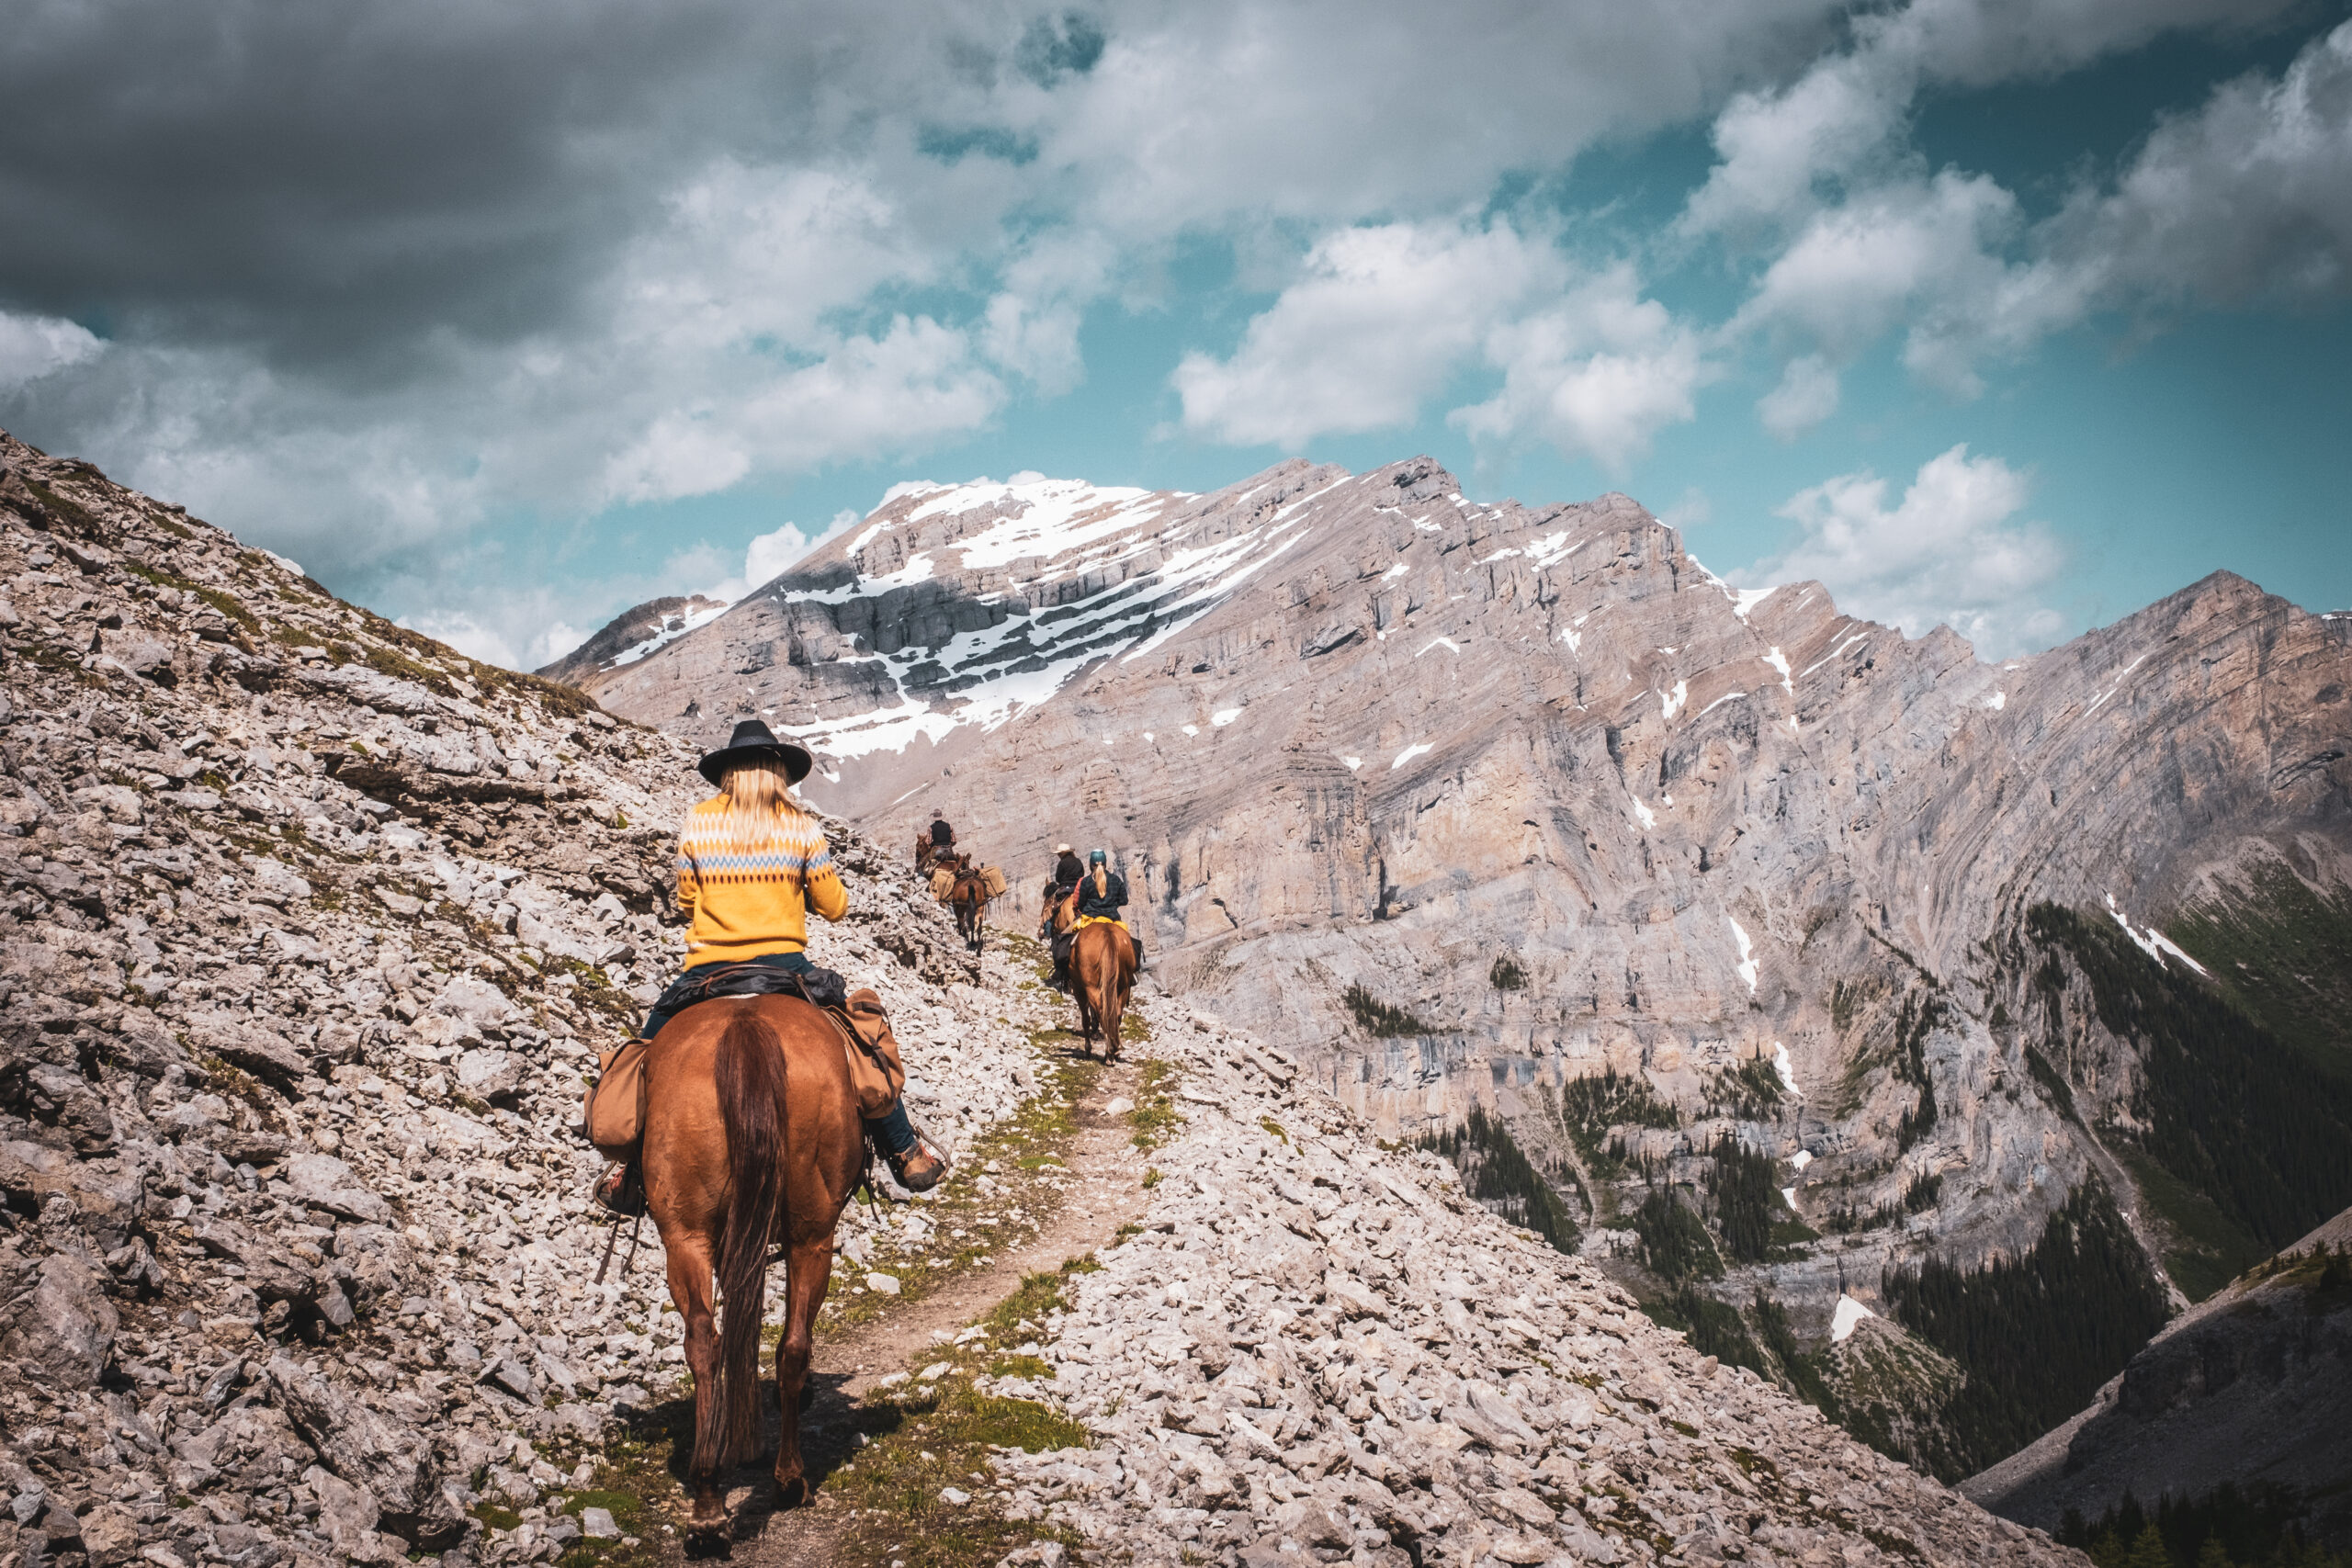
x,y
1067,876
1102,894
751,863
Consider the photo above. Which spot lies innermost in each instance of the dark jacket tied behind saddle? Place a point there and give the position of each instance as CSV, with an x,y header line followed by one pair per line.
x,y
1106,904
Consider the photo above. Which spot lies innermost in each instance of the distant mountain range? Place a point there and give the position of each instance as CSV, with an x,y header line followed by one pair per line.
x,y
1801,961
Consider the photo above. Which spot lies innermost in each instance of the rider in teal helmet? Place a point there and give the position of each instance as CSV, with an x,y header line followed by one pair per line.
x,y
1102,894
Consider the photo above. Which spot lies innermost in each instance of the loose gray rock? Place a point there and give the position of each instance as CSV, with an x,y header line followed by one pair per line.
x,y
56,1324
325,1182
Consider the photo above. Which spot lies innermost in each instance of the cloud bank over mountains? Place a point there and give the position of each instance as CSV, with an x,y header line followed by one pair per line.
x,y
366,285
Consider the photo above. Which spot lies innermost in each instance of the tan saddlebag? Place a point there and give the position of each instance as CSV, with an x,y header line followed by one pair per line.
x,y
612,1110
875,1070
942,882
992,878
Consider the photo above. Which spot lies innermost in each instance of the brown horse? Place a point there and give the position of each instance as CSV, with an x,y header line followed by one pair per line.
x,y
970,899
733,1163
1103,976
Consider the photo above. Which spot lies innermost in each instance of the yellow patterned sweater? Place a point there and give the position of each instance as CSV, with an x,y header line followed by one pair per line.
x,y
748,894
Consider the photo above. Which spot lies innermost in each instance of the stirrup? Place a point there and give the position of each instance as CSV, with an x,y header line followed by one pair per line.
x,y
920,1168
621,1191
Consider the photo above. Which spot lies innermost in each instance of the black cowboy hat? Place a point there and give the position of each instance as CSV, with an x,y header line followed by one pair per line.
x,y
754,742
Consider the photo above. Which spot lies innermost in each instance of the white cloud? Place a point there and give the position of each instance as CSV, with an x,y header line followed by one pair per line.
x,y
2249,197
1947,553
1597,374
1380,321
1806,395
1778,148
469,636
34,346
1031,325
1384,318
766,557
554,640
914,383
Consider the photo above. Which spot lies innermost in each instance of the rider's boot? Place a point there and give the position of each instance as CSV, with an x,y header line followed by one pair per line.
x,y
916,1163
621,1189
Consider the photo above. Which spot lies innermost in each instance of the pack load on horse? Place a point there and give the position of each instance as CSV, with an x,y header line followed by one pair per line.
x,y
741,1114
1104,954
966,890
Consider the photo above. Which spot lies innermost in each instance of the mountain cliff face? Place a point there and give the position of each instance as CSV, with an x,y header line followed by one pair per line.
x,y
309,929
1792,950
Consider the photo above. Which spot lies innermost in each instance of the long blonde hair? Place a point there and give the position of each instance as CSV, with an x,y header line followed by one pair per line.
x,y
1103,881
758,796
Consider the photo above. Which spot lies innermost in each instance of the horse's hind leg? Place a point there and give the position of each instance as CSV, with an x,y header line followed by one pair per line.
x,y
690,1288
809,1268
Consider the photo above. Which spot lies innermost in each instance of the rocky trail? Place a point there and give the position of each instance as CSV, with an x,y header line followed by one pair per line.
x,y
850,1365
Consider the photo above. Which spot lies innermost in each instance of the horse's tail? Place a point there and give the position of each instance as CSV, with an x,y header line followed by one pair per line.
x,y
752,1099
1096,962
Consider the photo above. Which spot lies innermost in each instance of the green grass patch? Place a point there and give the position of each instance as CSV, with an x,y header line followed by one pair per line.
x,y
1155,1117
930,1437
1027,1147
497,1516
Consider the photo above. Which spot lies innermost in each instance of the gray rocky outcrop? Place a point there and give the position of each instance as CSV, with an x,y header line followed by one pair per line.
x,y
1311,1349
309,930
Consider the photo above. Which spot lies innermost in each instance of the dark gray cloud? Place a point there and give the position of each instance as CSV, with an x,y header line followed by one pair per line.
x,y
332,185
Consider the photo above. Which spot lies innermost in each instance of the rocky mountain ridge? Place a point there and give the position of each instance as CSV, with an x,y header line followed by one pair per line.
x,y
310,930
634,633
1817,929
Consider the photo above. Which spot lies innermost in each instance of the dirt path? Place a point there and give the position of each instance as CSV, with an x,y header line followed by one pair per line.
x,y
1104,1190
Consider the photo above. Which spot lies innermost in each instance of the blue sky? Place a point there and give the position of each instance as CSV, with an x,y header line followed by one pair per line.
x,y
2012,316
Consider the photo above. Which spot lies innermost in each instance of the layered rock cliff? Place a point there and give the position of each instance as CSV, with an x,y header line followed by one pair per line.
x,y
1522,808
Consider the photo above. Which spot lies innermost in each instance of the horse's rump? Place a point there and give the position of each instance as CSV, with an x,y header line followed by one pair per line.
x,y
1103,965
751,1076
751,1136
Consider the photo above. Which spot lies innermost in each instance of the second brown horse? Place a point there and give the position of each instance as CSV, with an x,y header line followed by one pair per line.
x,y
733,1163
1103,978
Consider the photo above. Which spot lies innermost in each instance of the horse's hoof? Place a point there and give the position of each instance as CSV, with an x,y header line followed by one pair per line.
x,y
793,1492
707,1519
